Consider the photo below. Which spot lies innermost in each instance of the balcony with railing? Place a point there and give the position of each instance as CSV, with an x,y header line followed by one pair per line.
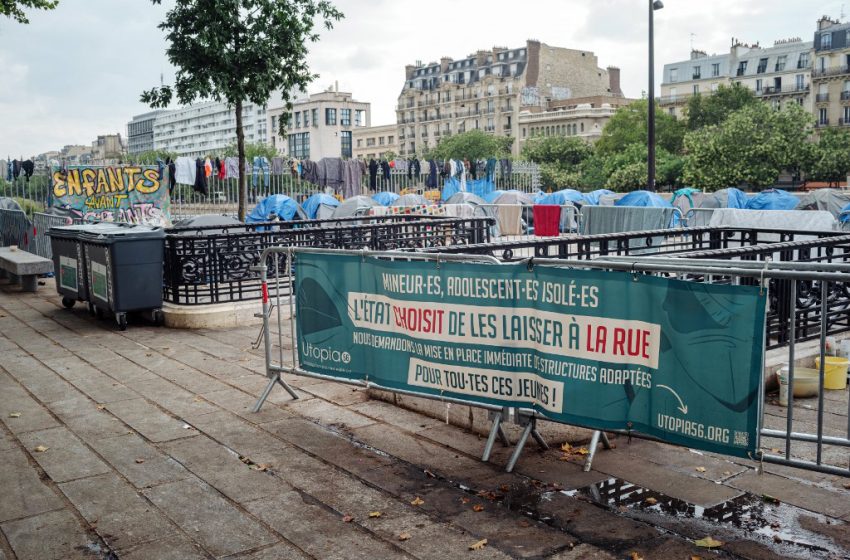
x,y
843,122
822,97
828,72
823,123
787,90
845,96
678,99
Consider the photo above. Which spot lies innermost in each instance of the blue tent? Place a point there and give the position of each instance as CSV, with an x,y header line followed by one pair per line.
x,y
593,197
311,205
561,198
773,199
844,216
479,187
279,205
385,198
538,197
643,198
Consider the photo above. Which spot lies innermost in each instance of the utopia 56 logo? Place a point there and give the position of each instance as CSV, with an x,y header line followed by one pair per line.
x,y
326,354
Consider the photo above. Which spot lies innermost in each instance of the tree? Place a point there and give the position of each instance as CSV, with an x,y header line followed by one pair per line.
x,y
707,110
150,157
751,147
237,51
629,126
560,159
830,157
15,8
627,170
472,145
252,150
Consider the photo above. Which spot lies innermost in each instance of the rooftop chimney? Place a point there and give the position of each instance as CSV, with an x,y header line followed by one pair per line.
x,y
614,81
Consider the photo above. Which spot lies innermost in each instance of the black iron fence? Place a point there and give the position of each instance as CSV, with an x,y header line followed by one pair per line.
x,y
214,264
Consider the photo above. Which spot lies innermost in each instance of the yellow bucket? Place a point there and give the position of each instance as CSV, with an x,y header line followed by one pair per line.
x,y
834,372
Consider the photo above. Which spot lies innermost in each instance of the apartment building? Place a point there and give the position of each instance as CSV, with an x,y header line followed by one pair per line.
x,y
831,74
582,117
375,141
779,74
320,125
108,149
488,90
140,132
207,128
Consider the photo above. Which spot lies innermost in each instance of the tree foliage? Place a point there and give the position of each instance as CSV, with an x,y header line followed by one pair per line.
x,y
252,150
472,145
560,159
14,9
237,51
629,126
708,110
751,147
150,157
829,158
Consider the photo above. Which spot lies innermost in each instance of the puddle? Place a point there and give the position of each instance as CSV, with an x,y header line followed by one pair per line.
x,y
743,516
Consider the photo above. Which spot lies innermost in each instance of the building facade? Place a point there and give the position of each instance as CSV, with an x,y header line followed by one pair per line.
x,y
320,125
108,149
375,141
487,91
779,74
831,74
140,132
583,118
207,129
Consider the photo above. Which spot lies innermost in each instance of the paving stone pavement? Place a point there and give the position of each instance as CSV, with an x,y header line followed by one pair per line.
x,y
141,445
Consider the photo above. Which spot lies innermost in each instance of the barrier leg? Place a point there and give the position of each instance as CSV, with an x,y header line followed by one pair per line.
x,y
519,445
267,391
594,443
495,430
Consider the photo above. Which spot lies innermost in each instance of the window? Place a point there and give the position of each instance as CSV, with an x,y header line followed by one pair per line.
x,y
800,82
780,62
306,119
846,118
822,118
697,72
346,143
359,142
696,89
673,93
315,117
299,145
297,120
390,139
742,67
330,117
674,75
345,117
826,40
803,62
370,142
762,66
846,85
715,70
381,140
823,63
758,85
777,84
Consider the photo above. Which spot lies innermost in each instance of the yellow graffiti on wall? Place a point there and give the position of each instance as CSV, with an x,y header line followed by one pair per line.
x,y
91,181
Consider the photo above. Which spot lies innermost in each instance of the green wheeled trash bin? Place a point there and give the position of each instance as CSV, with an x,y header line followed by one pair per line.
x,y
124,265
69,264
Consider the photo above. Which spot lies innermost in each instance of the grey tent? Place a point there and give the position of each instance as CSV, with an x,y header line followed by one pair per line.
x,y
7,203
354,207
465,197
411,200
514,197
184,227
831,200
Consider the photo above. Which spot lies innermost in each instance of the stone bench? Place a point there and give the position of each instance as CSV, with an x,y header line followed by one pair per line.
x,y
23,267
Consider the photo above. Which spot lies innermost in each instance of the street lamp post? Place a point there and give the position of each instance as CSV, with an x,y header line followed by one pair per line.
x,y
650,185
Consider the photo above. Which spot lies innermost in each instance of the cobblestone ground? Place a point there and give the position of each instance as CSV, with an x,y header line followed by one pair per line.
x,y
141,445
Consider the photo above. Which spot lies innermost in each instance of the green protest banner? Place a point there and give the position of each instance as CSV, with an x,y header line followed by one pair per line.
x,y
681,361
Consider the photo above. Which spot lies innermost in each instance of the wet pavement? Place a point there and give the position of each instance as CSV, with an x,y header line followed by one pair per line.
x,y
141,445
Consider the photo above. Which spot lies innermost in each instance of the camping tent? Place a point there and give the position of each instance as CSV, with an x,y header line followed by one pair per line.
x,y
320,206
644,199
206,221
465,197
411,200
833,201
385,198
593,197
511,197
564,197
276,206
773,199
354,206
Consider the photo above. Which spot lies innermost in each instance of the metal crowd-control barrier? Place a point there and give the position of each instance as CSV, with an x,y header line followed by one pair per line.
x,y
698,217
15,229
41,224
822,275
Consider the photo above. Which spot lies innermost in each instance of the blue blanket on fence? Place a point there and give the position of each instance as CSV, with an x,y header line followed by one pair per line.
x,y
479,187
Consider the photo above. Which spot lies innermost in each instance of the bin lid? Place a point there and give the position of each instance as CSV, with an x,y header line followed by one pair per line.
x,y
108,232
67,232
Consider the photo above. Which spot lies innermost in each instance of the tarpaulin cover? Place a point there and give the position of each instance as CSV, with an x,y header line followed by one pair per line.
x,y
773,199
354,206
316,201
538,197
385,198
593,196
643,199
465,197
563,197
788,220
833,201
479,187
845,214
511,197
411,200
279,205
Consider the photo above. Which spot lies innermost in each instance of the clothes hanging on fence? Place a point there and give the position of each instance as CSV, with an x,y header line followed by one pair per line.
x,y
171,169
331,173
352,175
200,185
221,169
260,164
431,182
414,169
373,174
547,220
510,219
16,168
185,171
401,165
385,170
208,170
310,171
8,169
491,169
28,167
505,166
278,166
231,167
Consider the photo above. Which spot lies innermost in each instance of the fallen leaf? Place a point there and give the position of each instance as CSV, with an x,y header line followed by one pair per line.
x,y
139,461
464,500
635,556
417,501
582,451
566,447
40,449
479,545
727,473
100,407
565,457
477,507
504,488
262,467
696,557
403,536
700,469
347,519
651,501
708,542
375,514
14,415
775,450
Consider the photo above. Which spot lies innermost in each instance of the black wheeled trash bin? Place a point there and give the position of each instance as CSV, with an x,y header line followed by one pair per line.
x,y
124,264
69,264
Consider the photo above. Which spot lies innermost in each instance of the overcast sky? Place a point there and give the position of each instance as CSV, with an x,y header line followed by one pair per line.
x,y
77,72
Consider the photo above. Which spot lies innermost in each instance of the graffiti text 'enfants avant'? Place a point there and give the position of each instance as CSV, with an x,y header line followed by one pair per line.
x,y
89,181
